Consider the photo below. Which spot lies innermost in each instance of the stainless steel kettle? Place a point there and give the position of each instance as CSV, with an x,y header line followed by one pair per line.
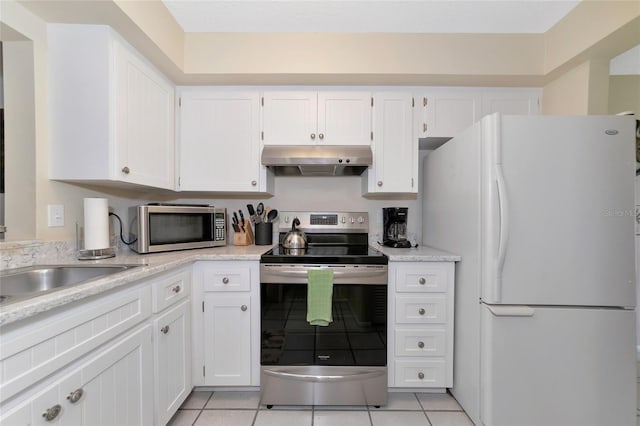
x,y
295,239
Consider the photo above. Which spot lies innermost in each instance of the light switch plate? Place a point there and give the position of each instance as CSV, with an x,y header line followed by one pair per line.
x,y
55,215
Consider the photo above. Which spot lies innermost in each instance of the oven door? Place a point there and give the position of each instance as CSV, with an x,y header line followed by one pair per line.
x,y
342,363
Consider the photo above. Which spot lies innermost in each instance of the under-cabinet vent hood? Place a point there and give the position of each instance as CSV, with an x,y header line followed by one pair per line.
x,y
317,160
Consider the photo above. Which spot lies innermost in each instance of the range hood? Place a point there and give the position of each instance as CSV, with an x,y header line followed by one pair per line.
x,y
317,160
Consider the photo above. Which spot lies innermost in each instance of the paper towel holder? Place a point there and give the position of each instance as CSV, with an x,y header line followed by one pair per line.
x,y
95,254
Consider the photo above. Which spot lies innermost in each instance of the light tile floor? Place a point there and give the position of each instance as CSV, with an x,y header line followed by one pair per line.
x,y
204,408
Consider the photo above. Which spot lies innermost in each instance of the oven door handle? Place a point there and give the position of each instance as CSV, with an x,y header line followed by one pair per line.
x,y
298,273
360,375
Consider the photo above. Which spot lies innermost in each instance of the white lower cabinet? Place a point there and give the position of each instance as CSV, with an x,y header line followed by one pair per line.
x,y
172,360
420,329
112,387
227,349
226,326
122,358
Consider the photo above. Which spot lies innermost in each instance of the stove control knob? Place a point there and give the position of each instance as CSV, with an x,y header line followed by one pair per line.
x,y
286,219
360,219
344,219
353,220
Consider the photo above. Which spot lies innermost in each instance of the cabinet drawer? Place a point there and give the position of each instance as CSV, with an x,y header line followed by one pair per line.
x,y
34,351
421,342
171,289
227,279
422,373
421,309
421,278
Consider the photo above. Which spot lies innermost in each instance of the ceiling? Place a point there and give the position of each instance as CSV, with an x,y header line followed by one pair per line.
x,y
369,16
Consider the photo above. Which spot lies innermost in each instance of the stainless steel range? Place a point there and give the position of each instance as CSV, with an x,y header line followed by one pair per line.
x,y
344,363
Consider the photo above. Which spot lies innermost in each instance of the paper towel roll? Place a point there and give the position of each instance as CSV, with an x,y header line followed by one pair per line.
x,y
96,223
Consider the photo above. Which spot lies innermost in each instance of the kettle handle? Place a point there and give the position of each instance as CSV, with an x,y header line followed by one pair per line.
x,y
296,222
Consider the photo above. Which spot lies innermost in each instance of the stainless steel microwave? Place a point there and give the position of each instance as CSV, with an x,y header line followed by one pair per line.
x,y
166,227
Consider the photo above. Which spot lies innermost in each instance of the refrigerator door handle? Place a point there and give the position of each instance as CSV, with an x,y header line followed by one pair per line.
x,y
511,310
503,200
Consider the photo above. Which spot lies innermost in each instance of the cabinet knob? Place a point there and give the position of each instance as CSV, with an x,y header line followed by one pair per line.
x,y
379,183
421,311
424,127
125,170
422,280
421,345
321,135
50,414
225,280
165,329
75,396
254,183
176,289
420,376
313,135
243,308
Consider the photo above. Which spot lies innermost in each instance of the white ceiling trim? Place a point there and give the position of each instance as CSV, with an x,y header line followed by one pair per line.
x,y
366,16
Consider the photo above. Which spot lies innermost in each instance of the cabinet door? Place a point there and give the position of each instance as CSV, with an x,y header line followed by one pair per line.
x,y
172,356
395,151
144,123
344,118
290,118
227,328
118,384
219,143
449,112
513,101
113,387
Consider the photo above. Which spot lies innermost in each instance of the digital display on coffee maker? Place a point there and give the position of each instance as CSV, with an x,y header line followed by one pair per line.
x,y
394,227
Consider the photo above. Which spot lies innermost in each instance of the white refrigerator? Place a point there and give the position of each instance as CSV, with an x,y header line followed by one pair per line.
x,y
541,210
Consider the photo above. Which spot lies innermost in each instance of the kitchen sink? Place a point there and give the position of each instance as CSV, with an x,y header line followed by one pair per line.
x,y
32,281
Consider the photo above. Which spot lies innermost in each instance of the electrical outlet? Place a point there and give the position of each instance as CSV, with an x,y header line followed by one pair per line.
x,y
55,215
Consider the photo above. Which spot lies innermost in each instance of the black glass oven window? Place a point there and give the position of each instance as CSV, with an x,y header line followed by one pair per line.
x,y
356,337
172,228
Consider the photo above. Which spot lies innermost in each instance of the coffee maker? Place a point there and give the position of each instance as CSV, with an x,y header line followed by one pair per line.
x,y
395,227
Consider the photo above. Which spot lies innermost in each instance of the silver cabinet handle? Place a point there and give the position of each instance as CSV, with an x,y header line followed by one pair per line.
x,y
165,329
75,396
50,414
176,289
321,135
421,345
379,183
225,280
420,376
313,135
254,183
421,311
422,280
125,170
243,308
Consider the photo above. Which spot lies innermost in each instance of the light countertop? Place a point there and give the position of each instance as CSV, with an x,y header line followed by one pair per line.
x,y
153,264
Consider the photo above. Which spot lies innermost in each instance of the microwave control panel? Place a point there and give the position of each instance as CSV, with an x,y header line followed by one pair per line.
x,y
220,230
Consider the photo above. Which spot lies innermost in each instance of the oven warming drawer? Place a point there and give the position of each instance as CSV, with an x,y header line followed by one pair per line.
x,y
342,274
323,385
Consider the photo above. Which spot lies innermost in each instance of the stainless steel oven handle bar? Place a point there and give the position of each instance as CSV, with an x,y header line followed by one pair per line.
x,y
361,375
298,274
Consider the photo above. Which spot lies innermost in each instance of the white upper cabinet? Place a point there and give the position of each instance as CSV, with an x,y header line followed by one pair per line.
x,y
219,141
312,118
112,112
395,149
511,101
445,113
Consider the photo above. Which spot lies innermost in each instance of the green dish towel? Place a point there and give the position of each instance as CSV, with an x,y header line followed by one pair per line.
x,y
319,296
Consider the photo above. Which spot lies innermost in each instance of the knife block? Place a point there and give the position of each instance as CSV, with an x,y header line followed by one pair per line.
x,y
244,238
